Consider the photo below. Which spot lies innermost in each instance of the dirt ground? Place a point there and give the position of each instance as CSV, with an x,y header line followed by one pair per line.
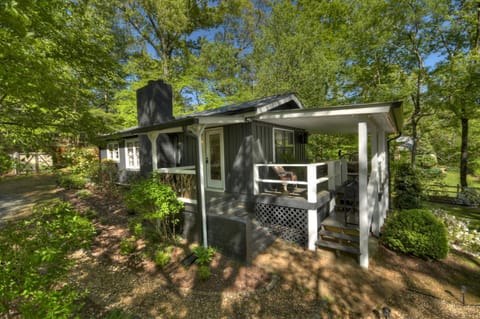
x,y
285,281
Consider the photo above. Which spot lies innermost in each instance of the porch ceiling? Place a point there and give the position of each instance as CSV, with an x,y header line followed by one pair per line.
x,y
340,119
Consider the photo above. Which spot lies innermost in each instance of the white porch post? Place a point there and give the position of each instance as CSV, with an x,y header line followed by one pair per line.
x,y
363,200
382,154
152,136
312,199
373,186
198,131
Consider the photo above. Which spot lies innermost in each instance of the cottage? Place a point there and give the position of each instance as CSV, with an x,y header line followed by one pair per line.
x,y
243,173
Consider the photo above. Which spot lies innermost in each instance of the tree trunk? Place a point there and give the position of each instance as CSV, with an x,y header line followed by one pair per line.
x,y
464,153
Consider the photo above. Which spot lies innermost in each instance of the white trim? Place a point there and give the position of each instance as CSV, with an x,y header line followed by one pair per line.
x,y
114,154
211,184
274,141
135,154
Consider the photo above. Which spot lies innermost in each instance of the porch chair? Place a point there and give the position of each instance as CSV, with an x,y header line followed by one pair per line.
x,y
284,175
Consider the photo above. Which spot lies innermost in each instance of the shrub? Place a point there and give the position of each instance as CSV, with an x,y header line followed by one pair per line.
x,y
162,257
72,181
6,163
417,232
157,203
469,197
34,258
407,187
128,245
204,255
105,173
204,272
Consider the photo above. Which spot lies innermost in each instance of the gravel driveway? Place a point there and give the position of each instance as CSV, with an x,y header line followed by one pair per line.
x,y
18,194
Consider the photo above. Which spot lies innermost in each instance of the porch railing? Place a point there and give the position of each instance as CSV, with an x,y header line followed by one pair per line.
x,y
182,180
331,173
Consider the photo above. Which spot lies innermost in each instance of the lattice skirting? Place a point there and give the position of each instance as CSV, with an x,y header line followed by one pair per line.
x,y
288,223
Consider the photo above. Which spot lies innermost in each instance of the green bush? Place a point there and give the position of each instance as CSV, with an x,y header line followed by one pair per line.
x,y
417,232
128,245
6,163
204,255
72,181
162,257
156,203
407,187
204,272
105,173
34,259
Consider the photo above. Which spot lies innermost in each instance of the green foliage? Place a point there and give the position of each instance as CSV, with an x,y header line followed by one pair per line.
x,y
128,245
6,163
84,193
427,160
157,203
136,227
80,161
204,272
105,173
407,187
72,181
461,234
34,255
204,255
417,232
52,82
469,197
162,257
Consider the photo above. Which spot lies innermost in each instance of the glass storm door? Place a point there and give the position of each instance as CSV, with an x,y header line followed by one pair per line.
x,y
214,159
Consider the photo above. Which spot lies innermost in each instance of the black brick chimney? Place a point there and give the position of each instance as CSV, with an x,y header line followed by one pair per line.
x,y
154,103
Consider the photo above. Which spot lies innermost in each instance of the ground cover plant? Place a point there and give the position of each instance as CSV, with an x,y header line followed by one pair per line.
x,y
34,260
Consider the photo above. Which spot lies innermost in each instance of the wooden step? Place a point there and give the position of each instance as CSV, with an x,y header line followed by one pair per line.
x,y
337,246
337,235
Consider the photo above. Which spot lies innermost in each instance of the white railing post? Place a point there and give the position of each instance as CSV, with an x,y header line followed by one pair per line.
x,y
364,223
312,199
331,184
255,179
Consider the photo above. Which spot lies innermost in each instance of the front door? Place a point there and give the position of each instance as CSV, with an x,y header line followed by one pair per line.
x,y
214,159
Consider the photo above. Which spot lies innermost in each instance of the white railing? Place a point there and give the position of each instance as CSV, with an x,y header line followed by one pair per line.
x,y
336,175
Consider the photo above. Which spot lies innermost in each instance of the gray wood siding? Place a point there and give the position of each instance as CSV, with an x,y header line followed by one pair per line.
x,y
238,158
263,137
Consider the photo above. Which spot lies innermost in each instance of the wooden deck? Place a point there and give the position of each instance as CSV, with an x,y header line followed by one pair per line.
x,y
337,220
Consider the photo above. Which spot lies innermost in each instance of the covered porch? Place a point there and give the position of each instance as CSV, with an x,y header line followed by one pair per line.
x,y
372,123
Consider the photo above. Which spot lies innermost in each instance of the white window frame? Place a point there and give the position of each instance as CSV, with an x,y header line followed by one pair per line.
x,y
135,154
113,151
275,129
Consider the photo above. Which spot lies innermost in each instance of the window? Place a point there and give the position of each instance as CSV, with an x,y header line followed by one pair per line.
x,y
133,154
284,149
113,152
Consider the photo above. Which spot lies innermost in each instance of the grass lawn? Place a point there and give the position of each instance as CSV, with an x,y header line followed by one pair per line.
x,y
452,178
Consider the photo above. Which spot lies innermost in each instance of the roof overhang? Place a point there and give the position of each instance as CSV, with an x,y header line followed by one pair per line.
x,y
340,119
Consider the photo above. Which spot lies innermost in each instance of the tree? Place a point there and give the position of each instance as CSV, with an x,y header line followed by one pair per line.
x,y
458,76
58,59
